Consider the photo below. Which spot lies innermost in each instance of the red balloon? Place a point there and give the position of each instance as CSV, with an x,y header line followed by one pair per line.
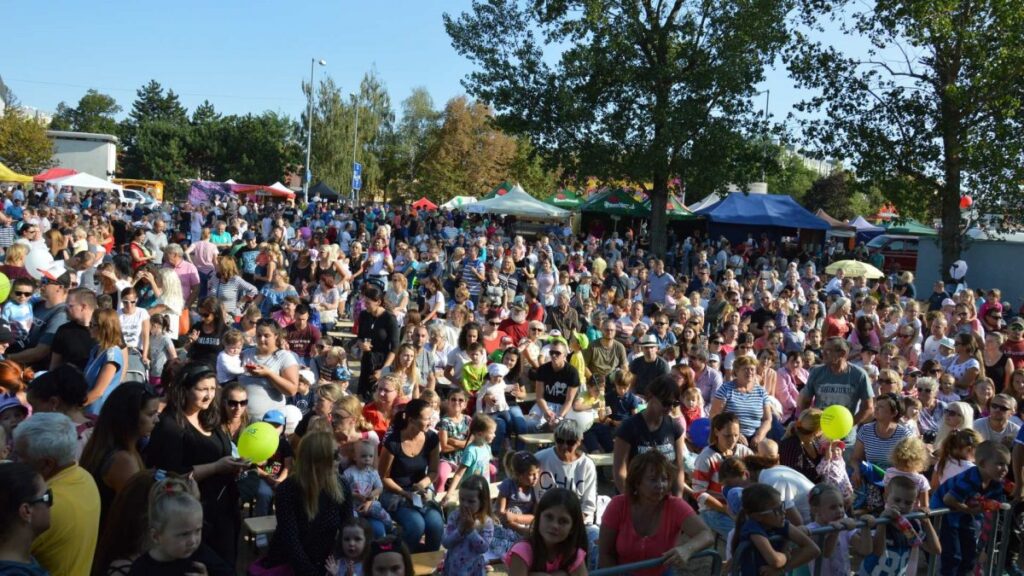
x,y
966,202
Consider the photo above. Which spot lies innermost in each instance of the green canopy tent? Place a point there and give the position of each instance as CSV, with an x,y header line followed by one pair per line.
x,y
499,190
565,199
909,227
615,202
676,210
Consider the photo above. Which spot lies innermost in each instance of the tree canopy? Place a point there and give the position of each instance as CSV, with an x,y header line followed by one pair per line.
x,y
24,146
638,90
933,111
94,113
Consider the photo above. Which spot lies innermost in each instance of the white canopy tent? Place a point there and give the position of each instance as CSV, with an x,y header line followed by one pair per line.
x,y
863,225
517,203
280,188
458,202
705,202
83,180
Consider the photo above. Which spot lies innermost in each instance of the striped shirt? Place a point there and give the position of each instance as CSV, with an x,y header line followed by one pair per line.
x,y
472,281
228,292
705,472
877,450
747,406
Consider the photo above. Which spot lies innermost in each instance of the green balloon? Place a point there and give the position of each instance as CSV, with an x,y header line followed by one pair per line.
x,y
258,442
5,287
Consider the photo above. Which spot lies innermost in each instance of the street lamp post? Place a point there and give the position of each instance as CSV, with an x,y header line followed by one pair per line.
x,y
309,131
355,139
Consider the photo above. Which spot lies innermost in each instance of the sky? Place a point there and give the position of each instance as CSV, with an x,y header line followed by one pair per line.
x,y
243,56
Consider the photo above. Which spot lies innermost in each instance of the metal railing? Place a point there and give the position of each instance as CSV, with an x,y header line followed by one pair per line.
x,y
716,564
819,534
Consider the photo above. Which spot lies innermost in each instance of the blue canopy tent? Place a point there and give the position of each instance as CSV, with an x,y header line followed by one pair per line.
x,y
740,214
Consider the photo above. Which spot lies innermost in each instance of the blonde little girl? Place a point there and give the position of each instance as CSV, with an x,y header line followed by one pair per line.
x,y
909,459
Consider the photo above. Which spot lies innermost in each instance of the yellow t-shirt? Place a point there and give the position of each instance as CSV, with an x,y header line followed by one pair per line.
x,y
68,546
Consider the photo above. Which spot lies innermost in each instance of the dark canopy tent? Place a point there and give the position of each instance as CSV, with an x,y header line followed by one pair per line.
x,y
324,191
739,214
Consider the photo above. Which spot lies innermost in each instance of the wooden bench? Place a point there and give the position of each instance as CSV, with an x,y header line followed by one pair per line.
x,y
538,440
601,460
260,525
425,563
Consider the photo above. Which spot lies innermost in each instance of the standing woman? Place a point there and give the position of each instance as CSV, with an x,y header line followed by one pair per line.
x,y
408,468
204,342
377,332
875,441
312,504
229,288
234,415
271,374
835,322
967,365
107,359
137,249
112,455
998,366
170,301
25,504
188,439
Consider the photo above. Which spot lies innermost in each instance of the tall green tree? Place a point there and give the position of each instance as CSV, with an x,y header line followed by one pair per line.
x,y
934,111
208,143
469,155
332,136
643,90
528,170
153,105
788,174
259,148
407,145
94,113
24,146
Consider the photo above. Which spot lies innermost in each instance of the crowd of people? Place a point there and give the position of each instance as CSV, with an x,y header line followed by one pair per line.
x,y
411,360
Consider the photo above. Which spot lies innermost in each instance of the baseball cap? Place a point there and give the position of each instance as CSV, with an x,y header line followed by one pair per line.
x,y
275,417
713,358
60,279
307,375
948,302
1017,321
582,340
250,235
9,401
648,340
947,343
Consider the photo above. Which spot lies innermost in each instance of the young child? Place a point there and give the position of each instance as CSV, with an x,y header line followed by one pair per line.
x,y
366,483
452,435
274,471
911,410
468,533
557,543
17,311
828,507
431,397
161,348
229,361
474,372
968,495
909,459
692,405
517,493
832,468
351,549
176,530
588,406
12,413
476,459
955,455
947,389
621,403
734,476
388,557
490,399
893,543
305,396
761,518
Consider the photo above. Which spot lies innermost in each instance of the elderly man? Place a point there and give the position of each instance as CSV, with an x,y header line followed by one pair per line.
x,y
563,317
565,465
47,443
607,354
174,258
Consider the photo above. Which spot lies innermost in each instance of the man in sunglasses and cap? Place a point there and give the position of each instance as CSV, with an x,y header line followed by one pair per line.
x,y
648,366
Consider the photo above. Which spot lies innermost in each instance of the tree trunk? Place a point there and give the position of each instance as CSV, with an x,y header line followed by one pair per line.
x,y
950,237
659,213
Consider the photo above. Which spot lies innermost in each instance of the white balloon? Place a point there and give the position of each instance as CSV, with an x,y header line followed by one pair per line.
x,y
38,260
958,270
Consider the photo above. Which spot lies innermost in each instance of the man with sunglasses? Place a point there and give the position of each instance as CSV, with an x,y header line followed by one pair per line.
x,y
49,314
998,426
648,366
839,382
557,383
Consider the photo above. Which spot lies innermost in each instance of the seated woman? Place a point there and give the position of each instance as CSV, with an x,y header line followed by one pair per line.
x,y
648,521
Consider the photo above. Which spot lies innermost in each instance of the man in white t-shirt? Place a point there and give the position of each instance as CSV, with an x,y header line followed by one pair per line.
x,y
998,426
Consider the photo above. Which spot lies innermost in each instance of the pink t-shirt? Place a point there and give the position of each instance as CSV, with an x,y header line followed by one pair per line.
x,y
631,547
525,553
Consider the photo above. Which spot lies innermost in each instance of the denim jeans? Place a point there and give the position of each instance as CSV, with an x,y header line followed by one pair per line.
x,y
418,523
959,547
264,496
720,523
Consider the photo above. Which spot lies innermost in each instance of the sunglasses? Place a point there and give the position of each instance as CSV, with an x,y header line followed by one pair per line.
x,y
46,498
238,403
567,441
999,407
924,389
554,353
885,381
951,413
25,294
719,342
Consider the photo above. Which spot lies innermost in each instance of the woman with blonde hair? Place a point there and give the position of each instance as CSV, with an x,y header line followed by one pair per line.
x,y
169,300
228,286
14,262
405,367
312,504
956,416
396,297
107,360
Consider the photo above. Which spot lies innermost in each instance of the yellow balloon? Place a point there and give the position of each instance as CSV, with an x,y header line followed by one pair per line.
x,y
258,442
836,422
5,287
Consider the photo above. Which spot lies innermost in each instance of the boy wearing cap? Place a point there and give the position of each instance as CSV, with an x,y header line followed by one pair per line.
x,y
1013,347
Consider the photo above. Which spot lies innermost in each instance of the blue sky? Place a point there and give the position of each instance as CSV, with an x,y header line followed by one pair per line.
x,y
242,56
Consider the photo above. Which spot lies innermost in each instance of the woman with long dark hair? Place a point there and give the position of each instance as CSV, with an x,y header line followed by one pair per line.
x,y
125,535
203,342
112,454
188,439
234,415
377,332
